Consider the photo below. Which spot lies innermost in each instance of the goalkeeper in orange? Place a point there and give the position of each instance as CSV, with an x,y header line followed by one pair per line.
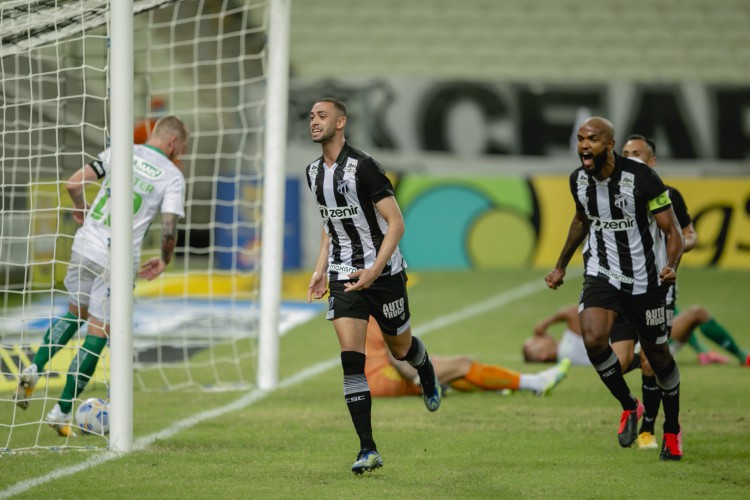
x,y
388,377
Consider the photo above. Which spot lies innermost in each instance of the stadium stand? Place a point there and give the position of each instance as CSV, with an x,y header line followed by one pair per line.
x,y
651,41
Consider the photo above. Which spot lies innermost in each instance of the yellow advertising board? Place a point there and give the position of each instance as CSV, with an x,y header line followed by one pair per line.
x,y
720,208
16,359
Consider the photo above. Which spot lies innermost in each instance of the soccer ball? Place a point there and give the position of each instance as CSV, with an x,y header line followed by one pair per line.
x,y
92,416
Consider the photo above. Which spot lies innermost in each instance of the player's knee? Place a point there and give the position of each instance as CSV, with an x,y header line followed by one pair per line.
x,y
657,356
699,313
595,341
464,363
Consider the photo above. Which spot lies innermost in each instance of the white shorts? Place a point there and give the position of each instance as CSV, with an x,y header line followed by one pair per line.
x,y
88,285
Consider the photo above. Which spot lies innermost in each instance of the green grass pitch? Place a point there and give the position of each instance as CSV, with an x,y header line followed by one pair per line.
x,y
299,442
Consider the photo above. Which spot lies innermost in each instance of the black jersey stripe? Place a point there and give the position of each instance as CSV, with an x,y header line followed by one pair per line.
x,y
600,243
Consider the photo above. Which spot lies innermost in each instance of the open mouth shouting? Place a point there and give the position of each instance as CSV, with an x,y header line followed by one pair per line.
x,y
587,159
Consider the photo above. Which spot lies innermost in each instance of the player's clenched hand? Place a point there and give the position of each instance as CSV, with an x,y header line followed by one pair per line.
x,y
555,278
317,287
365,279
152,268
79,215
668,275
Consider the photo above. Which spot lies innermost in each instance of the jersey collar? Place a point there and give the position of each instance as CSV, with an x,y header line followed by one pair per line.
x,y
343,154
156,149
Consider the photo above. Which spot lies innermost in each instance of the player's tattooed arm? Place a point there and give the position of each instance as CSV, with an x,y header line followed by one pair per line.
x,y
153,267
168,236
579,227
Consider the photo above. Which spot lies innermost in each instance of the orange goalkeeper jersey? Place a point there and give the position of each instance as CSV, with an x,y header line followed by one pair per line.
x,y
384,380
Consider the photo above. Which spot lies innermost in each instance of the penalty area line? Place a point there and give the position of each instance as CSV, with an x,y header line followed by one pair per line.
x,y
256,395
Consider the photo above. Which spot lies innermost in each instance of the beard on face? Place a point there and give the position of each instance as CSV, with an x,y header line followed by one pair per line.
x,y
325,136
600,160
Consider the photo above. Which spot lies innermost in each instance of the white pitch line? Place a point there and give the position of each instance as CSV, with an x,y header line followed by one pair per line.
x,y
248,399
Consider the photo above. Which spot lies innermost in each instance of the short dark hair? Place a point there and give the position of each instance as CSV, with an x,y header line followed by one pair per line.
x,y
525,352
337,103
639,137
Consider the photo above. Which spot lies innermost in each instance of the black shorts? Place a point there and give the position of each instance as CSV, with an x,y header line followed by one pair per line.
x,y
645,312
671,304
622,330
386,300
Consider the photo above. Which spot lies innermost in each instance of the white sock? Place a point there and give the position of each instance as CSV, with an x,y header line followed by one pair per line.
x,y
530,383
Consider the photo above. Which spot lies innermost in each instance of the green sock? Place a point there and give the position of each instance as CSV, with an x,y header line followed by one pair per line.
x,y
696,344
56,336
718,334
81,369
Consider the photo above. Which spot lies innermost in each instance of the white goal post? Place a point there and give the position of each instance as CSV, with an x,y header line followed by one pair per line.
x,y
74,85
121,212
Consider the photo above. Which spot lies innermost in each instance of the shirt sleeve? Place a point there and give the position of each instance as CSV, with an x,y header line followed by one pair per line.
x,y
174,197
375,181
655,191
680,208
573,181
103,164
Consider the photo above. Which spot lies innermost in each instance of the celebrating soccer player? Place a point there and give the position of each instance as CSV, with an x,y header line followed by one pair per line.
x,y
622,207
362,267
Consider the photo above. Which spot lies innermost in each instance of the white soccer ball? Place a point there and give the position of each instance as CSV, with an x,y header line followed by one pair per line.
x,y
92,416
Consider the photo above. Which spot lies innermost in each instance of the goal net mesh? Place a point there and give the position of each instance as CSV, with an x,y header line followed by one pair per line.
x,y
195,327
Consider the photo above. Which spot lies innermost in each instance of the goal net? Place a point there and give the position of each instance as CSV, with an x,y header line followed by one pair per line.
x,y
195,326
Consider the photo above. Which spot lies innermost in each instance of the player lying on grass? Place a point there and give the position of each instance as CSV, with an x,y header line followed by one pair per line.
x,y
542,347
388,377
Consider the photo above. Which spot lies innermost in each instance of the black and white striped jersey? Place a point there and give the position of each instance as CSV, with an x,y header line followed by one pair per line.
x,y
346,194
624,244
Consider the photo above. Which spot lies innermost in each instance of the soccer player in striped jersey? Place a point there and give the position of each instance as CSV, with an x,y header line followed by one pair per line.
x,y
622,209
644,149
361,267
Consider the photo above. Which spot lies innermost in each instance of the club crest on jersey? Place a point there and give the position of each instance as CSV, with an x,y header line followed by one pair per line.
x,y
621,200
342,187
